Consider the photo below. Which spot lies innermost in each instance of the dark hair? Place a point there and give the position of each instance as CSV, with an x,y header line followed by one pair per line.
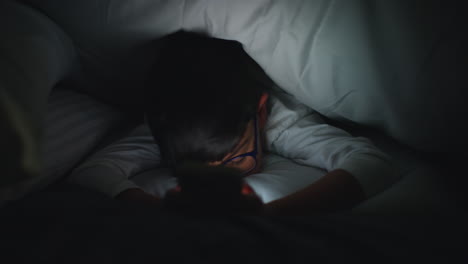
x,y
200,97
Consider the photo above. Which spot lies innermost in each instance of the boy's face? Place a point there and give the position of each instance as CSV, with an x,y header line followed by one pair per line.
x,y
247,156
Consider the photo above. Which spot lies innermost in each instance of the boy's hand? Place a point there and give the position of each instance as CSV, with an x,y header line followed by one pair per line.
x,y
249,200
251,203
211,188
176,199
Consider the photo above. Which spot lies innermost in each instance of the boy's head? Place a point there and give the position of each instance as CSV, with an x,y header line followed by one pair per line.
x,y
204,105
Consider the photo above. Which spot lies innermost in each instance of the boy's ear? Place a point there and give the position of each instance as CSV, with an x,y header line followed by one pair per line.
x,y
262,109
262,101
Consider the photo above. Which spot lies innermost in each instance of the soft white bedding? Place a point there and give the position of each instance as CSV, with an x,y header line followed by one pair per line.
x,y
387,64
35,54
362,61
75,124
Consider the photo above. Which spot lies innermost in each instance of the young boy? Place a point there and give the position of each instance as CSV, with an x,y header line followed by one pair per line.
x,y
205,105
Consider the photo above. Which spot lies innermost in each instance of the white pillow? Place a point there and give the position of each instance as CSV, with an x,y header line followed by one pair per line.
x,y
74,125
34,56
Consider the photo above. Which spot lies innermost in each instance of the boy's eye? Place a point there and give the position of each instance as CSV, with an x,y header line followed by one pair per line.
x,y
238,160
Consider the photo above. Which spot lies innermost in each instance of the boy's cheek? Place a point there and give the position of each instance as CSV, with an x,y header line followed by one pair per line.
x,y
259,167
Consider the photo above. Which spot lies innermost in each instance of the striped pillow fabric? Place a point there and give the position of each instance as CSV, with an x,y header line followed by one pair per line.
x,y
75,124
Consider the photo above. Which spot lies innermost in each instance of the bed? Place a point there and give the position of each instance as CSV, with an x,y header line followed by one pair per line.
x,y
376,69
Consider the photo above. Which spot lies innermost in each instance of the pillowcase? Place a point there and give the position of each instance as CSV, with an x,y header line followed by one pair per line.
x,y
75,124
35,55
